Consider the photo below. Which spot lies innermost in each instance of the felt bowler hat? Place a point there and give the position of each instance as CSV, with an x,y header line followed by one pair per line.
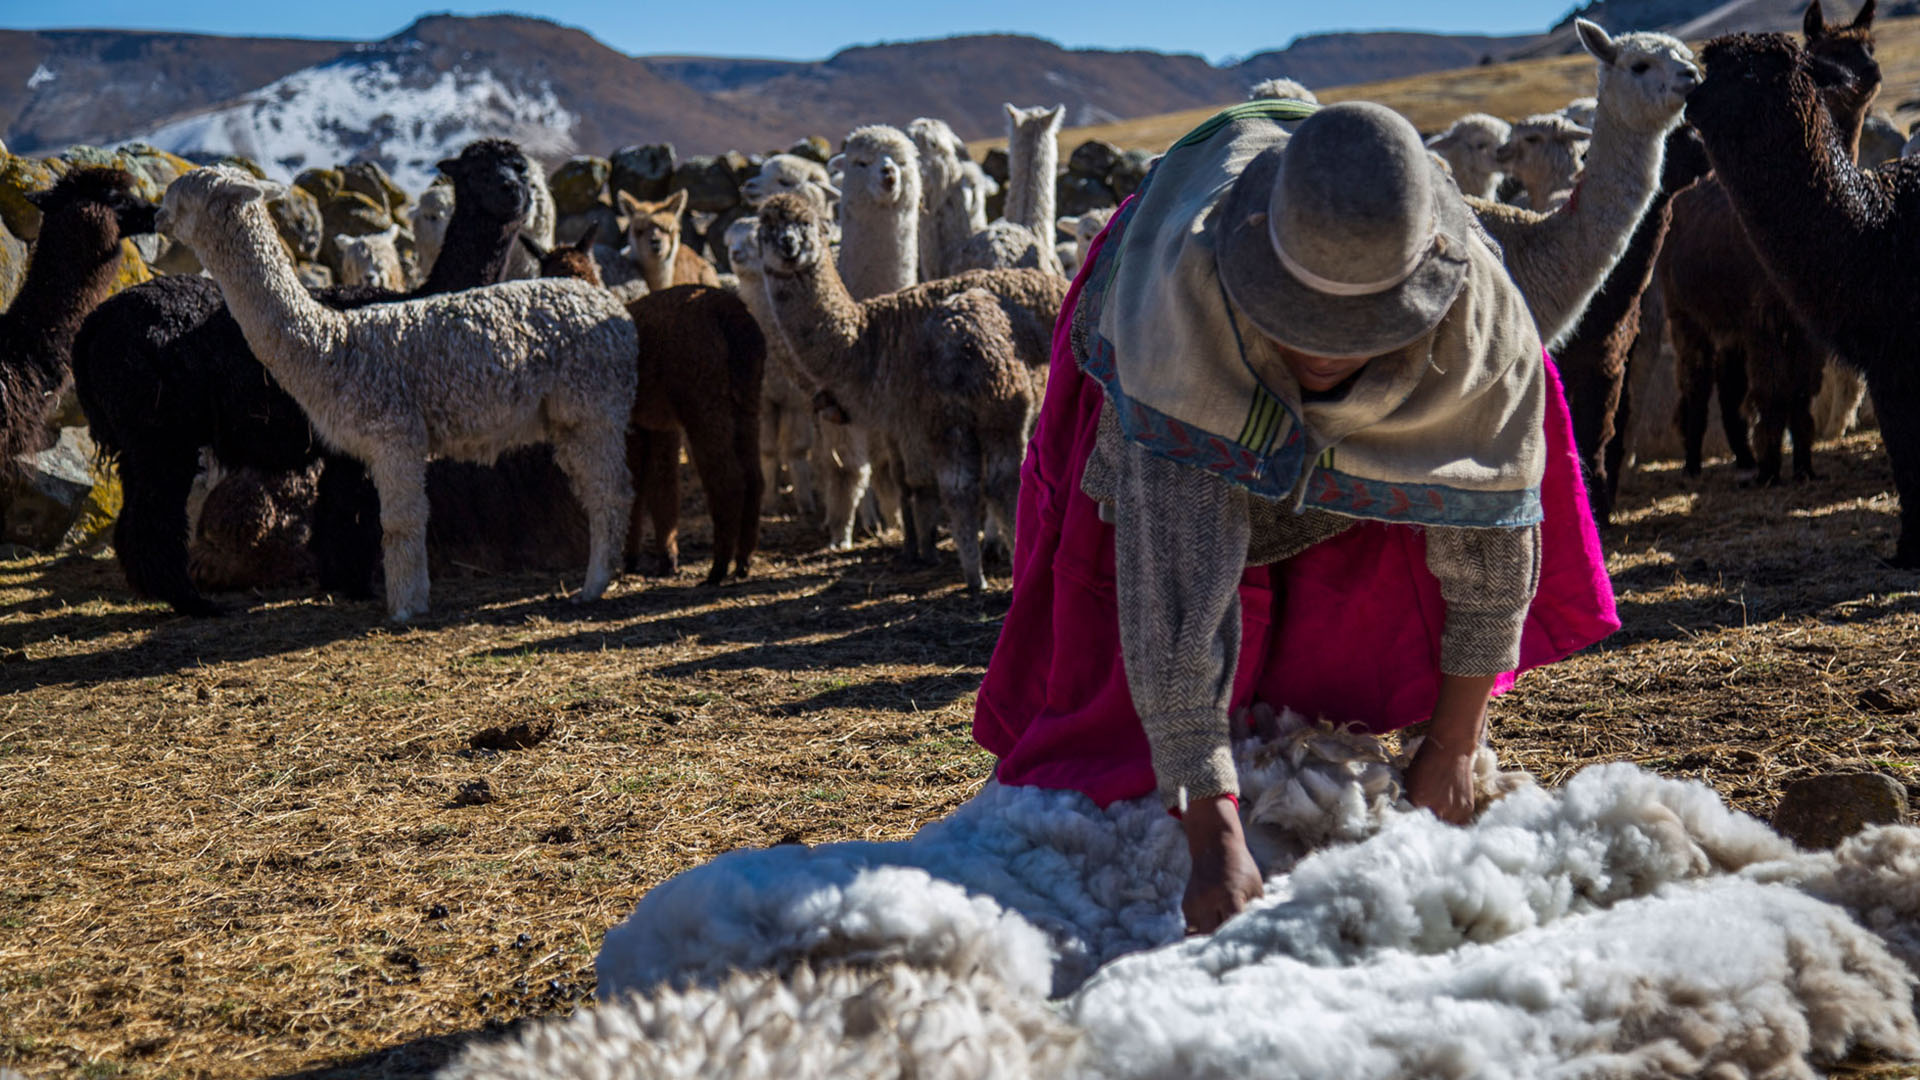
x,y
1346,240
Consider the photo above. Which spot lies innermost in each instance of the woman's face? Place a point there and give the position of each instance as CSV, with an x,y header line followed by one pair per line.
x,y
1319,373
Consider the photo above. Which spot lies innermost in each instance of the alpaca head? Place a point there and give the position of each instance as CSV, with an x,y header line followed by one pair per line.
x,y
1850,46
653,228
790,173
1763,92
103,197
1471,147
1685,160
879,167
743,247
1644,78
1032,125
941,154
573,260
791,238
1581,111
494,177
200,207
370,260
1281,90
1545,152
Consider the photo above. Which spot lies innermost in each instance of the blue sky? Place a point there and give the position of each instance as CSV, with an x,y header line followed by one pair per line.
x,y
1212,28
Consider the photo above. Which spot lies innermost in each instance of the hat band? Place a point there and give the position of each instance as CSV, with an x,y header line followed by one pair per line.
x,y
1347,288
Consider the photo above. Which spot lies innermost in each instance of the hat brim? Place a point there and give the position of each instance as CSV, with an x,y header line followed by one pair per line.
x,y
1300,317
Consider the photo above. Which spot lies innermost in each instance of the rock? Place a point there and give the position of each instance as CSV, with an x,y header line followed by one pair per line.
x,y
571,227
297,215
742,166
369,179
519,735
580,184
644,172
709,182
322,184
19,175
1129,173
1079,194
1820,811
245,164
153,169
997,165
50,495
177,258
13,266
474,793
813,148
1093,159
133,268
1880,140
348,213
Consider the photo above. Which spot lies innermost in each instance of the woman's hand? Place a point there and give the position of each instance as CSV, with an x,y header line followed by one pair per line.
x,y
1224,879
1441,775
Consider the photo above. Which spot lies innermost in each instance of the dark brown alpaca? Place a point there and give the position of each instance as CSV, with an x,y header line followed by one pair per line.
x,y
702,359
71,270
1593,361
1837,240
1731,328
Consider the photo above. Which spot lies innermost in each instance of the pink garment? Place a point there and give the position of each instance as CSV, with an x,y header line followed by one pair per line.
x,y
1356,638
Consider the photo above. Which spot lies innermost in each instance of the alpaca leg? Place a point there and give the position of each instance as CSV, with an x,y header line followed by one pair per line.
x,y
770,444
924,499
1769,432
1900,434
848,473
747,434
1002,488
346,528
722,478
400,474
596,467
1693,368
796,448
958,472
150,536
657,474
1616,459
1735,383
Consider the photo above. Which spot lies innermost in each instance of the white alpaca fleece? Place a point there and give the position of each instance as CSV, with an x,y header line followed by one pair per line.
x,y
371,260
430,221
464,375
879,212
1470,147
1281,90
946,199
784,174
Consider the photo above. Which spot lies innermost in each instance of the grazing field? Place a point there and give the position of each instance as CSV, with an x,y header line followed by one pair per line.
x,y
297,842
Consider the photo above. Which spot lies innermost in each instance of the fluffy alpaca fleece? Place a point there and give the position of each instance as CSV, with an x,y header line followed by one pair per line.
x,y
1593,359
1470,147
1281,90
430,220
946,211
463,376
786,406
790,174
1581,111
1559,259
1731,328
70,270
1023,238
371,260
246,534
653,243
948,371
1545,153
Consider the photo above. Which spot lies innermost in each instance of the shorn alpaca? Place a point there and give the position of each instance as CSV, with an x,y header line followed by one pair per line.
x,y
1593,359
653,243
786,409
1545,153
73,264
1730,326
1559,259
937,369
464,376
162,370
1471,146
1023,238
1836,239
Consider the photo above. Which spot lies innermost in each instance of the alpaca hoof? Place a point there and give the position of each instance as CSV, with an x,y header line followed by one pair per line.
x,y
199,607
713,581
653,565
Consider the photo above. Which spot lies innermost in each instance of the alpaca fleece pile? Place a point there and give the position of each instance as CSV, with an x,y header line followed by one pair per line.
x,y
1622,925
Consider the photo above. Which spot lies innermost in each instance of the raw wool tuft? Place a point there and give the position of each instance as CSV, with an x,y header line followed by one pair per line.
x,y
1281,90
371,260
1471,148
826,1024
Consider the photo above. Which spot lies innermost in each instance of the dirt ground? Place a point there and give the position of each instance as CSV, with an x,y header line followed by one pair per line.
x,y
295,842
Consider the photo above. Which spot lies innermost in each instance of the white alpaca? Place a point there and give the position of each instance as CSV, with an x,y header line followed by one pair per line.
x,y
786,406
793,175
1085,228
1281,90
1581,111
946,202
1470,148
1558,259
430,220
1023,238
465,375
1546,153
371,260
542,217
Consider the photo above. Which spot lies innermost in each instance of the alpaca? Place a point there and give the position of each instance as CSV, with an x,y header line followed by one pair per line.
x,y
1834,238
542,217
163,369
1593,359
71,268
946,211
1581,111
1470,148
371,260
783,173
430,220
1545,153
1084,229
1281,90
1023,238
1558,259
700,368
786,410
1731,328
936,367
465,376
653,243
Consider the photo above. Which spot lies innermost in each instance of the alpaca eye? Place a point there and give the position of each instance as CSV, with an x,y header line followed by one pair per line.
x,y
1641,67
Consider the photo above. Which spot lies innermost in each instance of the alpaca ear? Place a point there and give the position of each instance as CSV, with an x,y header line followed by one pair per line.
x,y
628,204
677,203
532,246
1013,112
1864,20
40,199
837,163
1814,25
584,245
1596,41
449,166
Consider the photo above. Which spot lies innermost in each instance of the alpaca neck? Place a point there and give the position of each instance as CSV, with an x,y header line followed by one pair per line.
x,y
944,226
1619,296
474,251
1475,182
880,248
1622,172
753,293
824,324
1031,196
284,326
658,271
69,273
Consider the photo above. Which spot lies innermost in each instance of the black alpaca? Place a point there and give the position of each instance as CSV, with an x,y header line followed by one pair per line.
x,y
163,370
1840,242
72,267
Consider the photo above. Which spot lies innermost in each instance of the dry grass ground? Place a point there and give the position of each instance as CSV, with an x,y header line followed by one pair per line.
x,y
241,848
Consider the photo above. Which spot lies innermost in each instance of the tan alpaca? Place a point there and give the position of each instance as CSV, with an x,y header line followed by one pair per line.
x,y
937,367
463,375
653,243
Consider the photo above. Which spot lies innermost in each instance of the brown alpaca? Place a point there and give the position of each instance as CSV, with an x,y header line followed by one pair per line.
x,y
653,243
1593,359
937,367
1731,328
1837,240
702,362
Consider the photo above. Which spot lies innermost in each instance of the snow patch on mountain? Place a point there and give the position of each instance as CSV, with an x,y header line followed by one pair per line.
x,y
385,104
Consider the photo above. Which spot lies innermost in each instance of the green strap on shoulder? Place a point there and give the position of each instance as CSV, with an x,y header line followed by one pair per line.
x,y
1282,110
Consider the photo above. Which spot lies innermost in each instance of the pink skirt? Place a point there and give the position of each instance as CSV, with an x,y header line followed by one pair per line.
x,y
1348,630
